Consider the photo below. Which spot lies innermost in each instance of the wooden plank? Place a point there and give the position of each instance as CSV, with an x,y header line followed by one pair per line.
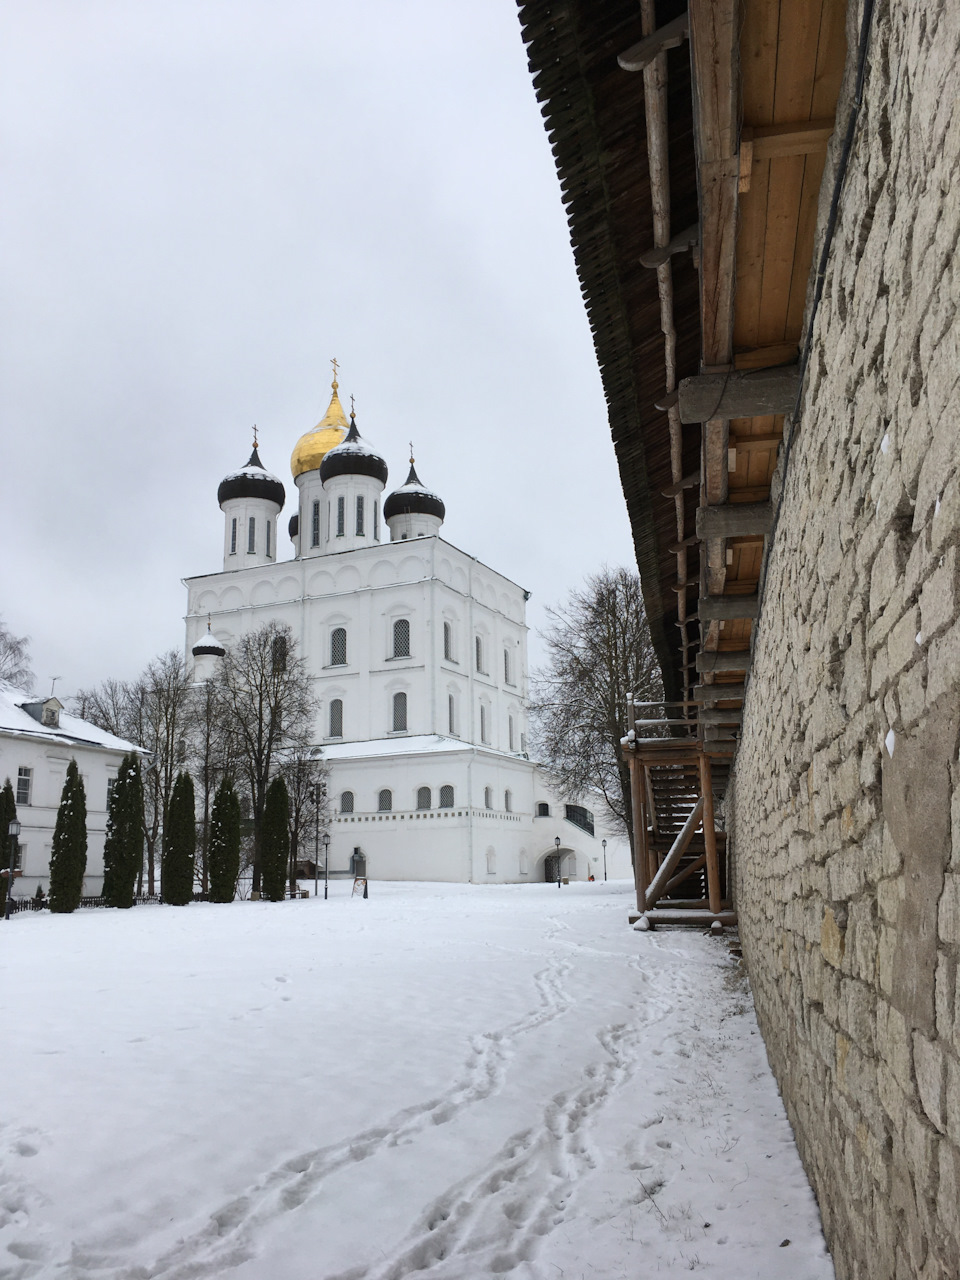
x,y
694,919
748,444
734,519
800,139
739,393
716,715
670,36
639,829
803,246
738,661
723,608
659,882
679,243
688,482
797,42
765,357
710,693
760,23
779,243
687,871
710,836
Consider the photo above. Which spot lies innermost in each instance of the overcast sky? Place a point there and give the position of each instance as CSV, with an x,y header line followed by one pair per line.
x,y
202,202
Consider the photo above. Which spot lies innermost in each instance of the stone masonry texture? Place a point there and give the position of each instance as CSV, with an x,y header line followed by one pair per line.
x,y
844,804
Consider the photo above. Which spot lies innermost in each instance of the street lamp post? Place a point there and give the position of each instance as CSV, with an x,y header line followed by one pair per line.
x,y
326,863
13,831
557,843
316,838
604,843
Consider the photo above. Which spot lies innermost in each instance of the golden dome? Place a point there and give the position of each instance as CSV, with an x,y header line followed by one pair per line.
x,y
326,435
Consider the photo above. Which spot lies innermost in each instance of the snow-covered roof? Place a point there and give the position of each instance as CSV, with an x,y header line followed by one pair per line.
x,y
13,719
413,745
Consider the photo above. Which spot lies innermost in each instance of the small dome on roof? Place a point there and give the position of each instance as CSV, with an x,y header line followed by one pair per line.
x,y
413,498
252,481
293,526
353,457
208,645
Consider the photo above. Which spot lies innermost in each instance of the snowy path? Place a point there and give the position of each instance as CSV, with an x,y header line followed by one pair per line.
x,y
452,1082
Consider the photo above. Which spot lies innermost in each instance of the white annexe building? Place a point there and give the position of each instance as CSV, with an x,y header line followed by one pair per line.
x,y
420,661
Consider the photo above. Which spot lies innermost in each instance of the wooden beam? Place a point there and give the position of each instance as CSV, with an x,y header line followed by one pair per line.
x,y
751,393
808,137
688,482
670,36
659,882
687,871
734,519
713,715
638,805
680,243
676,547
737,661
708,693
695,919
727,608
767,356
749,444
710,836
667,400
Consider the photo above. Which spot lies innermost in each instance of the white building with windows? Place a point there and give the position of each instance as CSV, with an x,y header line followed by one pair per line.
x,y
419,654
37,742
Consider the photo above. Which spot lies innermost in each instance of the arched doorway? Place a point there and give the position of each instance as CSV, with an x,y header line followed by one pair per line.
x,y
568,865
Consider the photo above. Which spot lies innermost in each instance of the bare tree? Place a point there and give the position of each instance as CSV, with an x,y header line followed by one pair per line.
x,y
598,651
305,773
210,758
15,658
271,705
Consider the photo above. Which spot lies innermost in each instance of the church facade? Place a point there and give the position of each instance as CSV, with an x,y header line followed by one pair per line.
x,y
419,657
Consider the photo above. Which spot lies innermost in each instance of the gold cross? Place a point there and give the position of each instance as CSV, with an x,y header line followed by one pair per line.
x,y
255,441
336,368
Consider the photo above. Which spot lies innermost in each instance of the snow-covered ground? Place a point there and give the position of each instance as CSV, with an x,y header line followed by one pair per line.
x,y
445,1080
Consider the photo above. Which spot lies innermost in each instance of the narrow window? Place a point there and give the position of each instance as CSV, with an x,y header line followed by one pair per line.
x,y
376,521
543,810
488,797
385,801
233,536
506,667
523,743
401,638
359,517
111,783
341,517
251,536
338,647
336,718
268,539
446,797
483,723
508,801
278,653
510,732
423,798
399,712
491,862
448,642
451,714
524,863
329,519
346,802
478,645
315,530
24,786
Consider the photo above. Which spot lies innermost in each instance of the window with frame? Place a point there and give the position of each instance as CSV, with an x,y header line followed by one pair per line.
x,y
488,797
543,810
385,801
251,536
506,667
510,733
233,536
376,521
399,712
446,797
24,785
278,653
111,784
508,801
447,642
423,798
580,817
483,723
491,862
336,718
315,526
346,802
401,638
341,517
269,528
338,647
478,652
451,714
359,516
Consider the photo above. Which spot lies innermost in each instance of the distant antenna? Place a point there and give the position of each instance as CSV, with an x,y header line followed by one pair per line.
x,y
53,683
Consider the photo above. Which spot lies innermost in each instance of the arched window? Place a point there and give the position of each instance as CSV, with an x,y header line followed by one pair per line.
x,y
401,638
399,712
269,527
233,536
478,650
510,732
488,797
446,797
341,516
451,713
359,517
448,642
543,810
251,536
315,528
508,801
385,801
483,723
336,718
338,647
506,667
423,798
376,521
278,653
346,802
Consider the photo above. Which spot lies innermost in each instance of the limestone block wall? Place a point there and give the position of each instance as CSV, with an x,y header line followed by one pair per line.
x,y
844,808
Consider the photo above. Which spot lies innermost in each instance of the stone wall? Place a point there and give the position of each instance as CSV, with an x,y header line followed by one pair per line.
x,y
844,808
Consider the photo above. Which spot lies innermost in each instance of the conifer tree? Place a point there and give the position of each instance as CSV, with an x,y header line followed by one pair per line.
x,y
8,812
276,840
123,847
68,858
179,844
224,848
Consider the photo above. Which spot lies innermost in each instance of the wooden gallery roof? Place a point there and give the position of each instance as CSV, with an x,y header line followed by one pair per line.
x,y
690,144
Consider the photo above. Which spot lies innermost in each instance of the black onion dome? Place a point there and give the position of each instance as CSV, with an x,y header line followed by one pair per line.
x,y
254,481
412,498
353,457
208,645
293,527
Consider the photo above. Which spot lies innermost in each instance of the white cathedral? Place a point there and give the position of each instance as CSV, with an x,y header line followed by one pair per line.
x,y
419,656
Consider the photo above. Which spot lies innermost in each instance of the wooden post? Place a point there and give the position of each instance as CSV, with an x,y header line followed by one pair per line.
x,y
639,829
710,835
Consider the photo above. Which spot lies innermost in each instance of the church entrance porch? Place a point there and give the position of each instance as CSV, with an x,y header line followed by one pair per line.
x,y
567,860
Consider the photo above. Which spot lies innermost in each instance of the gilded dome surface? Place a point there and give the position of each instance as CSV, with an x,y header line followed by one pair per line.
x,y
312,448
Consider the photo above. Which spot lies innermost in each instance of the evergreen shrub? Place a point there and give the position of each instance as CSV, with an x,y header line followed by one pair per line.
x,y
68,858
